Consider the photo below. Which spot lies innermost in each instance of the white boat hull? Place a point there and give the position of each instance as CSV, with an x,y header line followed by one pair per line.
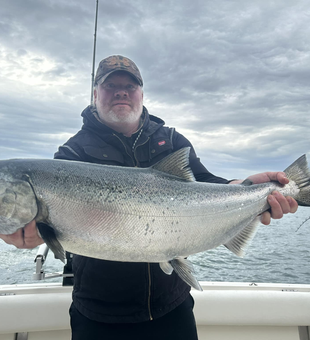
x,y
223,311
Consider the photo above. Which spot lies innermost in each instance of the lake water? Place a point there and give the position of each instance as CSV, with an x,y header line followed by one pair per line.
x,y
278,254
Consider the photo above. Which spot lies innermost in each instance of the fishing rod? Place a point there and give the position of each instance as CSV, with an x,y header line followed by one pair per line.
x,y
94,56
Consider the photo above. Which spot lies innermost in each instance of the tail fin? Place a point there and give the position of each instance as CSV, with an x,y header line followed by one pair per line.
x,y
299,173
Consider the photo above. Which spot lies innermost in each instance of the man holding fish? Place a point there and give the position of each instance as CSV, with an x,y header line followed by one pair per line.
x,y
132,300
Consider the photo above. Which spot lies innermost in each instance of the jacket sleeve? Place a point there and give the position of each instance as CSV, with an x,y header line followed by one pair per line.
x,y
69,151
200,172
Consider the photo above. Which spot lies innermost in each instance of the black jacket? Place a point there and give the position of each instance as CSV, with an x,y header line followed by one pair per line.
x,y
121,292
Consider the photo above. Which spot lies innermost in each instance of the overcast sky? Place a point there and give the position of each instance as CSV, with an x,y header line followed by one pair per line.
x,y
232,76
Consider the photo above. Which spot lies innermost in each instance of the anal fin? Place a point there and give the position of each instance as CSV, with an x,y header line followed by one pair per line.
x,y
240,243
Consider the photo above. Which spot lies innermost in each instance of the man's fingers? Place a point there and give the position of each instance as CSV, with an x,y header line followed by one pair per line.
x,y
31,236
293,204
15,239
280,177
24,238
280,205
265,218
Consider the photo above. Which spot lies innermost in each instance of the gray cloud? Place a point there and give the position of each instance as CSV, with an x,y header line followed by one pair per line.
x,y
233,76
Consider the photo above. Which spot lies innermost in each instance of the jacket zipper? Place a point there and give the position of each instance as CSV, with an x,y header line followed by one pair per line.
x,y
134,151
124,148
149,297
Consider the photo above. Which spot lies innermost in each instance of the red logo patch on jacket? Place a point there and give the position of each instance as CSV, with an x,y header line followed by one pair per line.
x,y
161,143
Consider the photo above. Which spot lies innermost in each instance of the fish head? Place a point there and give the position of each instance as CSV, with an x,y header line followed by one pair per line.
x,y
18,205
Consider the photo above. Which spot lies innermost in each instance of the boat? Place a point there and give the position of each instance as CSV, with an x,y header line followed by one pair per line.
x,y
240,311
223,310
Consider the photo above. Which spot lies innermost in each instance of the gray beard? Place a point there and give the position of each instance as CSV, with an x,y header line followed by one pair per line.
x,y
130,118
111,117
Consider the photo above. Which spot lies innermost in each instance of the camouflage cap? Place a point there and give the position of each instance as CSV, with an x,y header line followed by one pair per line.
x,y
116,63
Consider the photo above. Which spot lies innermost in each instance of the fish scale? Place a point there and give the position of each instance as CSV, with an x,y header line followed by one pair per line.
x,y
157,214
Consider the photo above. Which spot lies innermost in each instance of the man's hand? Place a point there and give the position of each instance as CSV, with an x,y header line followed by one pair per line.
x,y
24,238
279,204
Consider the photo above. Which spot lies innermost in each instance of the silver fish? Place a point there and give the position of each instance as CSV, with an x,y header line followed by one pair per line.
x,y
157,214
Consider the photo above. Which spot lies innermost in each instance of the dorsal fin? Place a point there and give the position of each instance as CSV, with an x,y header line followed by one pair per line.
x,y
176,164
247,182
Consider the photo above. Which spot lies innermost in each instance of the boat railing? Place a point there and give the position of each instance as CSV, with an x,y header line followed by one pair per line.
x,y
40,260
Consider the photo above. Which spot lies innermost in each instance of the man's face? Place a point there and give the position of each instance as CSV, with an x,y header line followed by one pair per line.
x,y
119,99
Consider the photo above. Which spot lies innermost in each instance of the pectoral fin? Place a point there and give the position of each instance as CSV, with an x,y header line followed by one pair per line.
x,y
166,267
49,236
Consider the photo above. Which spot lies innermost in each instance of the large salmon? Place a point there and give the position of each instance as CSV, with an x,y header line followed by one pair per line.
x,y
157,214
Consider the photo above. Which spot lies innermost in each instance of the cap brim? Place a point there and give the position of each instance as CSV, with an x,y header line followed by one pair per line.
x,y
103,78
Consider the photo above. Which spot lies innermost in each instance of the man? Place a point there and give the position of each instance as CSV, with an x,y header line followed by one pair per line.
x,y
116,300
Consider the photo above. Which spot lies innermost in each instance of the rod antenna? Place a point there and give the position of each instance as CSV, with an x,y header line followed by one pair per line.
x,y
94,57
